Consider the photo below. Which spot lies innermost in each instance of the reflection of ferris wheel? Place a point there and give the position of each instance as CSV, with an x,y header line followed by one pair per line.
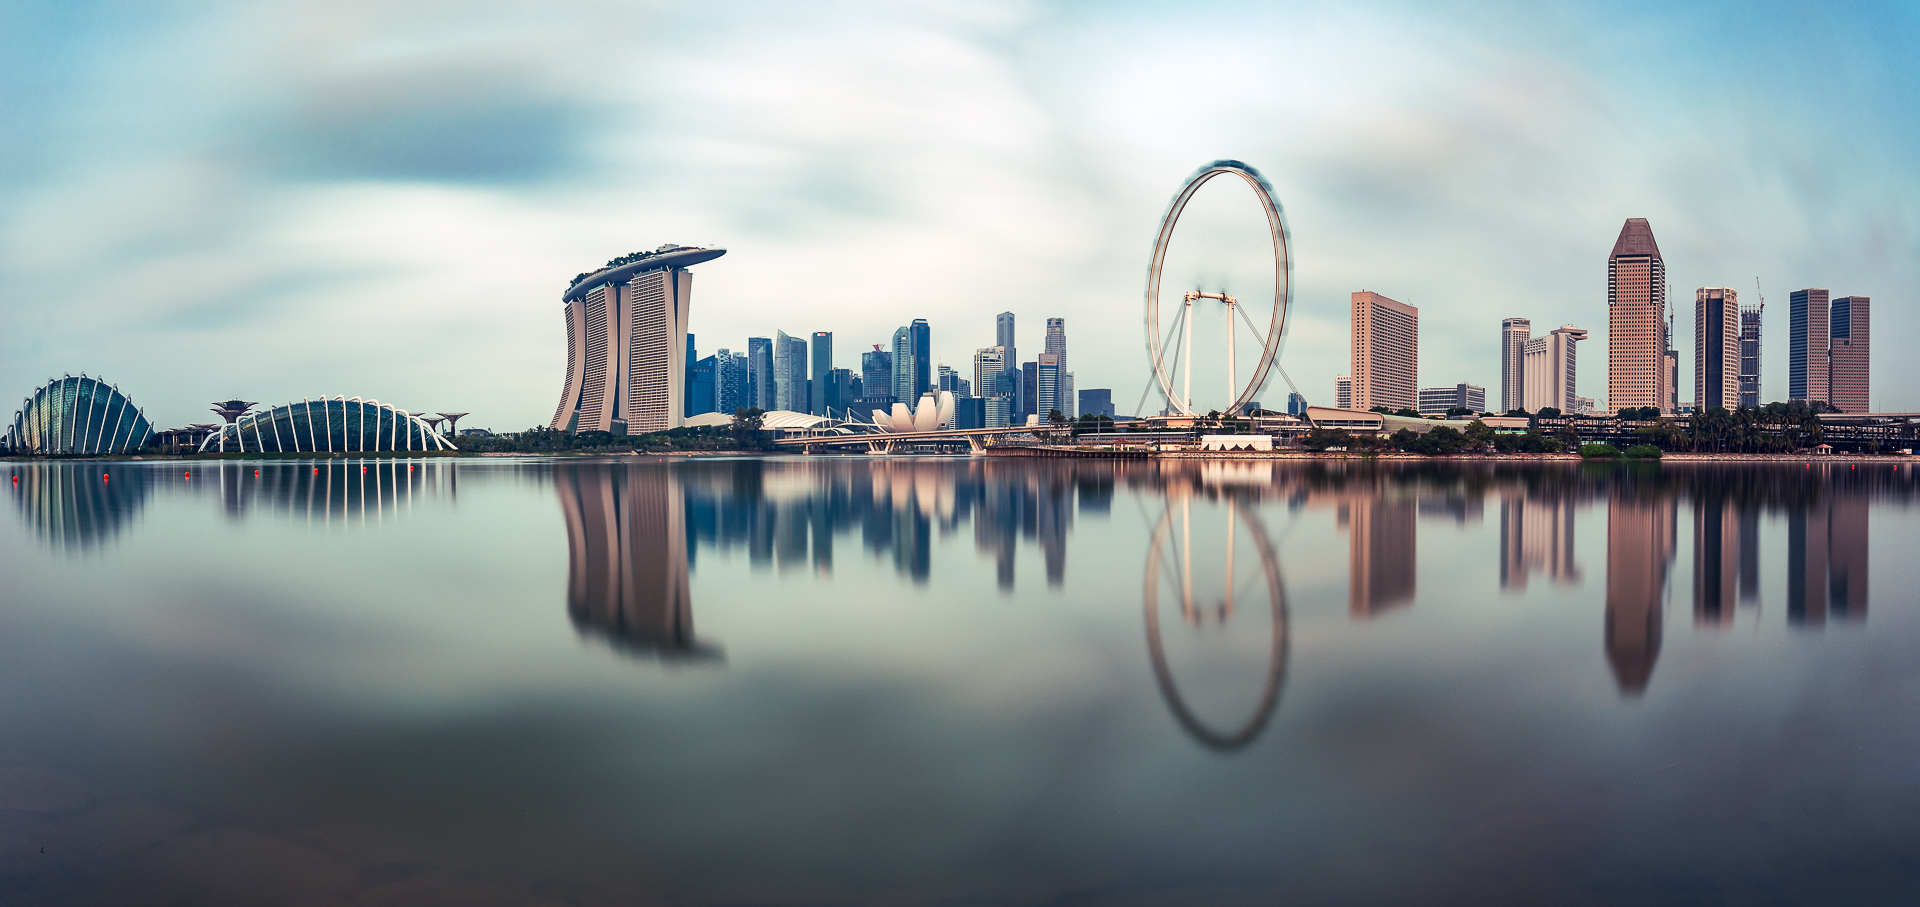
x,y
1268,338
1181,575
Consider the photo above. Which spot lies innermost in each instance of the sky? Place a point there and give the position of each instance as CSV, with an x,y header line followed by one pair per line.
x,y
204,200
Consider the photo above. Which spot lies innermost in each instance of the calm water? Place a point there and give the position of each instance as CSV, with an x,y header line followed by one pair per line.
x,y
957,681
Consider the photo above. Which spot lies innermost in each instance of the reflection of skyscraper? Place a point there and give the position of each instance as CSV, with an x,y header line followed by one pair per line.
x,y
1536,534
627,557
1640,539
1716,560
1827,561
1380,570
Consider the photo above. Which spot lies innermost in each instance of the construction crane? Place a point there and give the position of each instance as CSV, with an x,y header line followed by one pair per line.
x,y
1757,292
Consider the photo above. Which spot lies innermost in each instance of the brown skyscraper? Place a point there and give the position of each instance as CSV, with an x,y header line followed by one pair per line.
x,y
1847,356
1386,352
1636,320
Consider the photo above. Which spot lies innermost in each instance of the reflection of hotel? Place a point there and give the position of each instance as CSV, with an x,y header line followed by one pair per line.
x,y
1380,572
1827,561
1640,543
1536,536
627,557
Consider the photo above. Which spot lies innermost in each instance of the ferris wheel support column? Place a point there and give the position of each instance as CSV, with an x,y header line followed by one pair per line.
x,y
1186,392
1233,387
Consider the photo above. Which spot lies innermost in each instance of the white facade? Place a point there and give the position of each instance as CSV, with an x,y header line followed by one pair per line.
x,y
1550,370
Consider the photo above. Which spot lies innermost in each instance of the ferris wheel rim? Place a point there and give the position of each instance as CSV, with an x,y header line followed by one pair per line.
x,y
1282,283
1277,660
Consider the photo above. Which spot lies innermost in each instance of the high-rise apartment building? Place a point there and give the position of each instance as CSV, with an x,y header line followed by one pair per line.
x,y
1847,357
988,363
1057,341
1750,356
1343,392
760,383
822,362
1716,348
789,372
1386,352
1637,362
1514,334
1550,370
626,343
1808,324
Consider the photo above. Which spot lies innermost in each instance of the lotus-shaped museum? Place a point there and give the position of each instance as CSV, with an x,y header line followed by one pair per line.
x,y
934,411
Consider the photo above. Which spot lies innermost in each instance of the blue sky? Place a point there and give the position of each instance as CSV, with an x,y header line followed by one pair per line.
x,y
202,200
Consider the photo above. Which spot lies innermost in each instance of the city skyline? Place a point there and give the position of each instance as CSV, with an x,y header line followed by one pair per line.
x,y
438,186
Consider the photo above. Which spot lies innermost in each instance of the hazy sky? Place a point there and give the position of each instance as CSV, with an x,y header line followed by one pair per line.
x,y
278,200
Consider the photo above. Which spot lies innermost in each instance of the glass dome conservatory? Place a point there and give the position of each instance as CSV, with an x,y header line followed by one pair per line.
x,y
327,425
78,416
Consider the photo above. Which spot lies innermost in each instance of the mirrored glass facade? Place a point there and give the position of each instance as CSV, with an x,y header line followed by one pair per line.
x,y
327,425
77,416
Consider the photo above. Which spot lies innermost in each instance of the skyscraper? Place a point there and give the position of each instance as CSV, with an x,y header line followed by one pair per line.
x,y
1514,334
988,363
1716,348
1343,392
626,346
922,357
876,372
789,372
1847,385
1637,367
1550,372
822,370
1003,338
903,367
1046,387
1808,324
1386,352
1057,341
730,378
760,383
1750,356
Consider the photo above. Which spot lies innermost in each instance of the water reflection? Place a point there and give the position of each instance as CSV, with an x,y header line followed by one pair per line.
x,y
627,559
1214,595
78,506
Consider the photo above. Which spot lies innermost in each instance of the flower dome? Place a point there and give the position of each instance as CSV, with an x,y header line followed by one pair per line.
x,y
327,425
78,416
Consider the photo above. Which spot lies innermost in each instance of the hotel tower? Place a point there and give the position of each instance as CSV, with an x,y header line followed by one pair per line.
x,y
626,343
1637,375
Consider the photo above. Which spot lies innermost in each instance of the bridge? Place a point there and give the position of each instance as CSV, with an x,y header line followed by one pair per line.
x,y
976,440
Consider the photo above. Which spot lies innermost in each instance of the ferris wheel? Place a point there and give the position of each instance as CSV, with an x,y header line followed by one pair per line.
x,y
1172,350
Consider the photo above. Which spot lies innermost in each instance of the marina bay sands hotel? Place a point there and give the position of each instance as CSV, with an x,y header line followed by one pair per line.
x,y
627,342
